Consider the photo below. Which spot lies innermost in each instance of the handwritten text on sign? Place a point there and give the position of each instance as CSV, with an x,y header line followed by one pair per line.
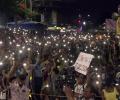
x,y
83,62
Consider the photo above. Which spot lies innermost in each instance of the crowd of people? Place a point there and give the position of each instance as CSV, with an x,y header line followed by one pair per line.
x,y
40,67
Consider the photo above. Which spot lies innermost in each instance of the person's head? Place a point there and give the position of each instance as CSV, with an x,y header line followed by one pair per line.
x,y
56,70
21,79
80,79
109,82
12,79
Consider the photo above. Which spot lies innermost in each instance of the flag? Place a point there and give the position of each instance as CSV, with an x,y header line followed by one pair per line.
x,y
118,26
110,25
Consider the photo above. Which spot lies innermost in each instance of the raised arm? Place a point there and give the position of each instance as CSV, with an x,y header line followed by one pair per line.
x,y
14,67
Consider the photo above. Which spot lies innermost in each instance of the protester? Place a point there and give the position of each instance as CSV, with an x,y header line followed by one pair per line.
x,y
37,80
110,92
61,51
79,87
19,90
54,77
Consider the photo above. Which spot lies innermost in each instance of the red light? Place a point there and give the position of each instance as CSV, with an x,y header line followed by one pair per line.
x,y
78,21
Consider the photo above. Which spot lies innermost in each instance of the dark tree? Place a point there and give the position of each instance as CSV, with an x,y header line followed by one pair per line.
x,y
9,8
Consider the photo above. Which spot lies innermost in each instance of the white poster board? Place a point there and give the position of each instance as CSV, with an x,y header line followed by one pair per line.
x,y
83,62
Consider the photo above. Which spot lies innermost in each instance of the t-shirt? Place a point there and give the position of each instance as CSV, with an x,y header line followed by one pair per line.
x,y
110,95
19,93
79,90
37,71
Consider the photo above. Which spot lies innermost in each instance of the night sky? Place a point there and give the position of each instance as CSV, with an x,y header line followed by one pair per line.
x,y
70,9
98,9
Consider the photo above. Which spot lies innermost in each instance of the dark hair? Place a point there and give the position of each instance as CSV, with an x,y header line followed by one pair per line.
x,y
22,77
109,82
12,78
56,70
78,75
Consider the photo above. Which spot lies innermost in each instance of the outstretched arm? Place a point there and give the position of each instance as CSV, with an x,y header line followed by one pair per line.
x,y
14,67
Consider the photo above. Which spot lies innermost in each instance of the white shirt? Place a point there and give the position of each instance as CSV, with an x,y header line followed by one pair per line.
x,y
79,89
19,93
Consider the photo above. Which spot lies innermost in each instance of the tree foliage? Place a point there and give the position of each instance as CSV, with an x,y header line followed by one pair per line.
x,y
9,7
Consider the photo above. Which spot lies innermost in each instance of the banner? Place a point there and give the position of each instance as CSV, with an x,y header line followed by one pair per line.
x,y
83,62
110,25
118,26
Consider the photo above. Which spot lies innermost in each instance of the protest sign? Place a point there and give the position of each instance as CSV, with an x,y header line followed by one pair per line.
x,y
83,62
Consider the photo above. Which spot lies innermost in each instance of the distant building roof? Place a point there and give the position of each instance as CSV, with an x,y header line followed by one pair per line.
x,y
27,25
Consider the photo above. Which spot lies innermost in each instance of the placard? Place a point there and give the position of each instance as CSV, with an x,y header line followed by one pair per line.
x,y
83,62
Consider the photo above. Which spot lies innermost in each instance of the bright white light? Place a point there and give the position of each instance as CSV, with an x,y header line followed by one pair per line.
x,y
39,43
104,42
63,58
62,30
1,42
6,57
63,40
13,58
10,43
23,47
97,82
35,38
38,52
18,45
20,51
58,67
88,15
54,39
85,37
10,29
47,86
91,36
86,47
46,44
98,76
1,63
118,37
13,53
98,57
91,66
64,45
58,60
117,84
28,49
57,44
24,64
65,61
71,61
96,69
84,23
26,41
93,50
